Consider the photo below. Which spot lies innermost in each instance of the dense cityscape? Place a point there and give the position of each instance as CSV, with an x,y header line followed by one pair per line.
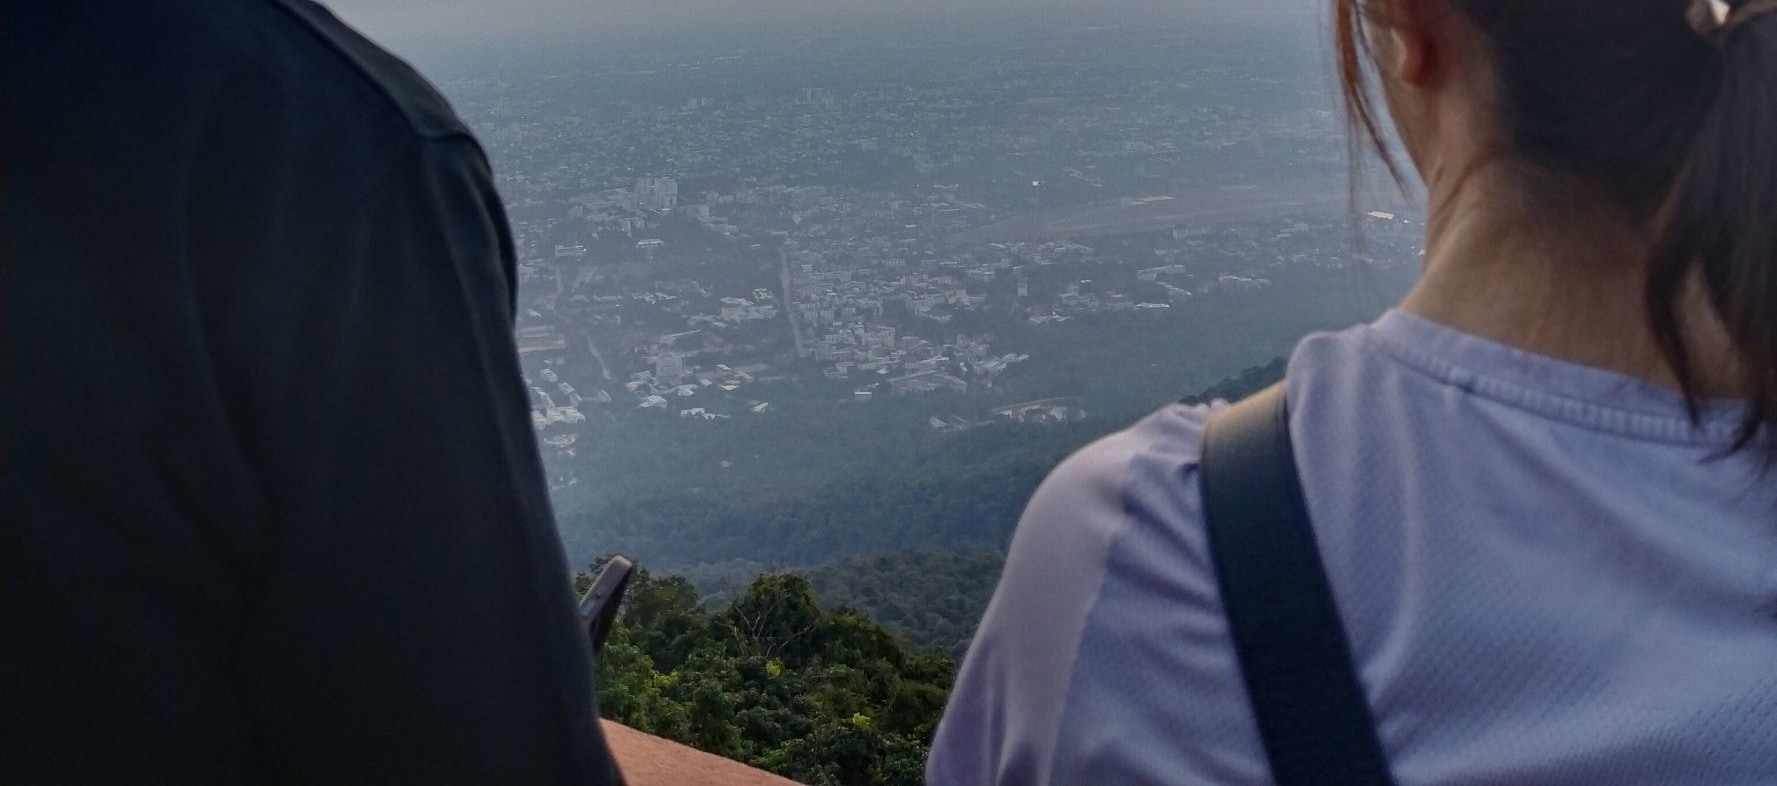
x,y
697,226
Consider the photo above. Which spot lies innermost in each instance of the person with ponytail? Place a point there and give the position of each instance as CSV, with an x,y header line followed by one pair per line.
x,y
1538,496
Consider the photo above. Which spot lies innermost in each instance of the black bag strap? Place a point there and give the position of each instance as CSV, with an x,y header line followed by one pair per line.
x,y
1313,718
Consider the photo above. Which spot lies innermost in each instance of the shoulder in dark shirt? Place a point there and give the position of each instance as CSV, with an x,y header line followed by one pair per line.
x,y
424,111
271,498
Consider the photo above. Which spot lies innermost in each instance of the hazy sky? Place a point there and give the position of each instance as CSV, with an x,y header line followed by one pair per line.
x,y
433,24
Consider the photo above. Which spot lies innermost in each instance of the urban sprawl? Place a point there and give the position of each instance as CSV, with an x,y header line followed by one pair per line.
x,y
693,231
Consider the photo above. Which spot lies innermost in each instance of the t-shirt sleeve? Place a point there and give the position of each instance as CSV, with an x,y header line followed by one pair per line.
x,y
1103,656
414,618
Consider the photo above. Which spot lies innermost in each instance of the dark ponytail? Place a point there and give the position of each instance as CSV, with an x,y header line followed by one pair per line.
x,y
1667,108
1719,226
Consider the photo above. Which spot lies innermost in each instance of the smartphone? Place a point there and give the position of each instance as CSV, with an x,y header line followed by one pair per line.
x,y
598,610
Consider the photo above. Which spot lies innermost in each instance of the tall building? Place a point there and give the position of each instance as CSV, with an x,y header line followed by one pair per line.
x,y
669,367
657,193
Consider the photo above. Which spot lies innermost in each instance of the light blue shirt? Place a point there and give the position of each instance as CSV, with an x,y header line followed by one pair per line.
x,y
1545,578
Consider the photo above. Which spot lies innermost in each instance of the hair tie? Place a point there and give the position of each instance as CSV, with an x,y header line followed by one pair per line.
x,y
1715,20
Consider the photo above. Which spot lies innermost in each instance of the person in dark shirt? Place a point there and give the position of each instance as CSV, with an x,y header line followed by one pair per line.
x,y
272,505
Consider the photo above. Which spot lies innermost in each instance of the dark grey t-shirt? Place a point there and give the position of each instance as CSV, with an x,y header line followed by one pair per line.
x,y
272,504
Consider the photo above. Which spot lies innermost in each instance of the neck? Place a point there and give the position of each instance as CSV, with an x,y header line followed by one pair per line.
x,y
1557,280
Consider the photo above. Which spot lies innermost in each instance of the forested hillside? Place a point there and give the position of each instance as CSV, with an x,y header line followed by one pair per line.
x,y
827,698
930,598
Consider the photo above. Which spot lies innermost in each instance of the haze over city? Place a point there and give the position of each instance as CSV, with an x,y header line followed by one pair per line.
x,y
435,28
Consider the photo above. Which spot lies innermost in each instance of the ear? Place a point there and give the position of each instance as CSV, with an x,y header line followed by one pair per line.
x,y
1409,39
1414,52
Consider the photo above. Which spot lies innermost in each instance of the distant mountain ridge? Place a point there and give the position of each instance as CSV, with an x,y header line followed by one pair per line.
x,y
934,598
965,492
931,598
